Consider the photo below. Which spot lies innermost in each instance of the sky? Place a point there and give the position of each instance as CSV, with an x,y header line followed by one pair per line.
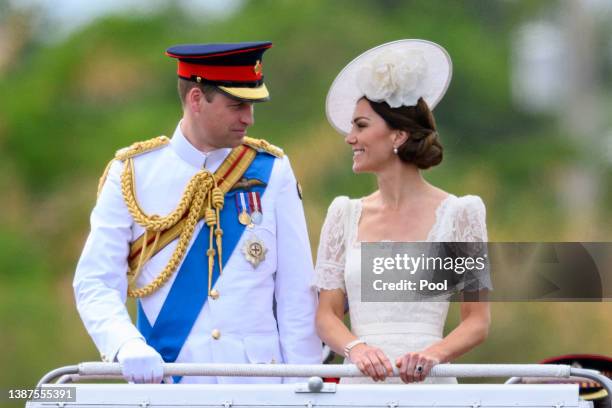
x,y
67,15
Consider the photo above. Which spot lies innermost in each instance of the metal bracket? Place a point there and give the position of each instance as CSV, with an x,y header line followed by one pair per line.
x,y
315,385
327,388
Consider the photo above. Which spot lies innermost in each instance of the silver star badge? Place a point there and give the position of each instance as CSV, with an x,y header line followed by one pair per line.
x,y
254,250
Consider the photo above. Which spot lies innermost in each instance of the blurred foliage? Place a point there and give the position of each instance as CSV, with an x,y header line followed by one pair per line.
x,y
66,106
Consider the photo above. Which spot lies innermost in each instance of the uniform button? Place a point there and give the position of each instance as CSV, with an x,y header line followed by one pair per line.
x,y
214,294
216,334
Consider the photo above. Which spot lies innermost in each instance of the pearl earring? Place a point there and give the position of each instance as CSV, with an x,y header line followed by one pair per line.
x,y
395,150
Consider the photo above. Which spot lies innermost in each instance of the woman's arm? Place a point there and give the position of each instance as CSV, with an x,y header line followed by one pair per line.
x,y
473,330
470,226
329,320
332,330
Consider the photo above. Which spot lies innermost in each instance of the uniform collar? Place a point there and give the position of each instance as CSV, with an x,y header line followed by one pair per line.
x,y
186,151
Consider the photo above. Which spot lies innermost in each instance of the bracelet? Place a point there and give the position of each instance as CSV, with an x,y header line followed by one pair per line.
x,y
350,345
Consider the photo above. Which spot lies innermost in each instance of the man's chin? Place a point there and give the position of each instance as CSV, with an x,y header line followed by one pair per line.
x,y
234,140
238,138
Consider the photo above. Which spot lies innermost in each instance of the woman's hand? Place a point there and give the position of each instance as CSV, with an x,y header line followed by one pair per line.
x,y
414,367
371,361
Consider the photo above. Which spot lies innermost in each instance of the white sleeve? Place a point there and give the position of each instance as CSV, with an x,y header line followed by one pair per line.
x,y
329,269
296,299
470,226
470,221
100,282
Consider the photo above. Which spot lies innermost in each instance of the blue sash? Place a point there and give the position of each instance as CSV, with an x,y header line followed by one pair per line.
x,y
189,291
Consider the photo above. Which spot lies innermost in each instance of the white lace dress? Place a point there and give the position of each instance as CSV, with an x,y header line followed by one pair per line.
x,y
395,327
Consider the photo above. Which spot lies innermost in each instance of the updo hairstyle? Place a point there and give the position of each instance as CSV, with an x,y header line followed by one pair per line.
x,y
423,147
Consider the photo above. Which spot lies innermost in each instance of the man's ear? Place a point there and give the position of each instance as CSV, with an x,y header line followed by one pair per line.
x,y
194,99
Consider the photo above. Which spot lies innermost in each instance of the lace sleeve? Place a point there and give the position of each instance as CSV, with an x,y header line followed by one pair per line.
x,y
329,268
470,220
470,226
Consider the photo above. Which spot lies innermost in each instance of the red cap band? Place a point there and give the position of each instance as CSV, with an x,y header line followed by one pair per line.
x,y
249,73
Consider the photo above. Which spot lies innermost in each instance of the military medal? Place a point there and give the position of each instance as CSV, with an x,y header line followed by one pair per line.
x,y
254,251
256,217
243,216
255,204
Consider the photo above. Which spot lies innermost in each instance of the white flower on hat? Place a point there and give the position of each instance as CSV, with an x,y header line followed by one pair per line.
x,y
394,77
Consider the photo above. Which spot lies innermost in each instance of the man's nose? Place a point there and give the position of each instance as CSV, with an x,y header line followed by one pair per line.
x,y
247,116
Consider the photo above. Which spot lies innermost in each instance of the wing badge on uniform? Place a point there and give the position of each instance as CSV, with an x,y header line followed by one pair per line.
x,y
246,184
254,250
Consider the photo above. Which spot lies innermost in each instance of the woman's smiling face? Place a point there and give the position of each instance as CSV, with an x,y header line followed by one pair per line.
x,y
370,138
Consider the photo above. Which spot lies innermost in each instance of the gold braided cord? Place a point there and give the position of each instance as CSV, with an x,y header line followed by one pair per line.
x,y
225,180
203,197
217,202
211,260
202,179
103,177
194,199
213,219
179,252
219,237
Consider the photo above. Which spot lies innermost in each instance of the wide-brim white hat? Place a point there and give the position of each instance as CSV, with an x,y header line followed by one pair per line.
x,y
431,80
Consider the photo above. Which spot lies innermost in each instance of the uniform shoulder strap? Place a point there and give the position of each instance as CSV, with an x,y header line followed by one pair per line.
x,y
262,145
139,148
131,151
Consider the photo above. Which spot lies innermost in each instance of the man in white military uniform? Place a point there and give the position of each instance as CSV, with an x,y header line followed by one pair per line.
x,y
207,231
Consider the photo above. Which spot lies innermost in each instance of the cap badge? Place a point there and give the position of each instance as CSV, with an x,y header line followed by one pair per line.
x,y
258,67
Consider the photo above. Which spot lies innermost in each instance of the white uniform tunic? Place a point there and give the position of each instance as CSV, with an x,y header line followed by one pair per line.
x,y
242,316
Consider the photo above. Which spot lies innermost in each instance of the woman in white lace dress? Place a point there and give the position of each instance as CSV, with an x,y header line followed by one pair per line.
x,y
381,102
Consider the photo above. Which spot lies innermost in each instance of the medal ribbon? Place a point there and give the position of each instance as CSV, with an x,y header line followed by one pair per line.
x,y
243,205
239,203
256,201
